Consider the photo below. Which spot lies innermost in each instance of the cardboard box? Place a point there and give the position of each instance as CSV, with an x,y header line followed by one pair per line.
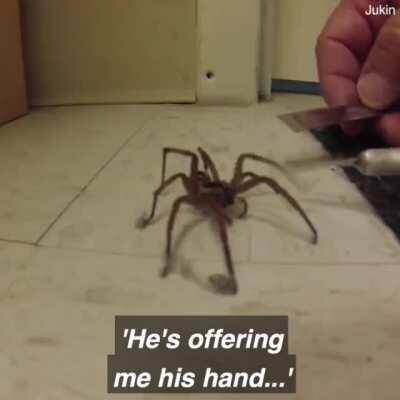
x,y
13,99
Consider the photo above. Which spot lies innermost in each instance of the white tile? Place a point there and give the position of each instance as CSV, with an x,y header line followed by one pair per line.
x,y
102,219
60,312
348,233
47,157
342,296
13,258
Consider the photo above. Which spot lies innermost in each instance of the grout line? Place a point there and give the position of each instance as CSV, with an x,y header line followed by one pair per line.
x,y
94,177
92,251
250,244
60,214
244,262
14,241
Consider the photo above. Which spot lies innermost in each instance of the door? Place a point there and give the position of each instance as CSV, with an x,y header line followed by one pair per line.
x,y
117,51
110,51
12,80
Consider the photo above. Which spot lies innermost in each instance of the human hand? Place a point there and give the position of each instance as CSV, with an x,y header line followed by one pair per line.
x,y
359,62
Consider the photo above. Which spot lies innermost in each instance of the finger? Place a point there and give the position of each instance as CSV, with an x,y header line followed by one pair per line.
x,y
339,84
342,47
389,127
379,83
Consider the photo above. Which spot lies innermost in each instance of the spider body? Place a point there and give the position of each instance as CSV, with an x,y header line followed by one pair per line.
x,y
206,191
224,194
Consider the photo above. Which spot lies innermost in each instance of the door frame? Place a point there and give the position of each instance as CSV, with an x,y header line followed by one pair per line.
x,y
234,65
267,43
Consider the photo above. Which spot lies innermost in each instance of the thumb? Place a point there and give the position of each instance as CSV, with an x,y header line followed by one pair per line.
x,y
379,83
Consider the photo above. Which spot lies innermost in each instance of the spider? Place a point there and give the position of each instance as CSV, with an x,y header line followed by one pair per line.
x,y
206,191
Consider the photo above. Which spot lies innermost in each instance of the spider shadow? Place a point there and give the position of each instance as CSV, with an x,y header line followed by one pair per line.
x,y
341,204
182,265
154,221
282,226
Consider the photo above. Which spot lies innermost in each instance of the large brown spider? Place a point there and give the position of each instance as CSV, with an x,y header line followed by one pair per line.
x,y
206,191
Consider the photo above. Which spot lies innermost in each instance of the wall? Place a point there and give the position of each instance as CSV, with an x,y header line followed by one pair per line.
x,y
298,24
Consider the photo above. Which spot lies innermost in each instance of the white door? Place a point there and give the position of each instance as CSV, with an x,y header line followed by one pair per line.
x,y
99,51
111,51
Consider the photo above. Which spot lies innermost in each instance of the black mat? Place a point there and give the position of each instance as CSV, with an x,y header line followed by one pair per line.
x,y
383,193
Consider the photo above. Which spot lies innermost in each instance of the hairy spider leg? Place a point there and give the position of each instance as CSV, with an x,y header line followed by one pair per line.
x,y
163,186
257,180
193,165
208,164
245,207
222,284
171,222
238,170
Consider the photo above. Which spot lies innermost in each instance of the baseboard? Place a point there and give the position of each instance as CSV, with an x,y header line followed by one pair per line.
x,y
283,85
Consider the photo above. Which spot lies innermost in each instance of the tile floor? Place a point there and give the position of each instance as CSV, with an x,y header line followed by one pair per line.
x,y
74,179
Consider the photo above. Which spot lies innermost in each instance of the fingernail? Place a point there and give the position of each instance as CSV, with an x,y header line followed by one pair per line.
x,y
375,91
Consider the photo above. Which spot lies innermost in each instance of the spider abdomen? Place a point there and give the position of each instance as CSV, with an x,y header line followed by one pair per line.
x,y
221,191
228,197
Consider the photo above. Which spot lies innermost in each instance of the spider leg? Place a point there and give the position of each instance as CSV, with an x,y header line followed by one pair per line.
x,y
209,164
193,165
224,284
171,222
245,207
238,170
257,180
228,220
144,221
